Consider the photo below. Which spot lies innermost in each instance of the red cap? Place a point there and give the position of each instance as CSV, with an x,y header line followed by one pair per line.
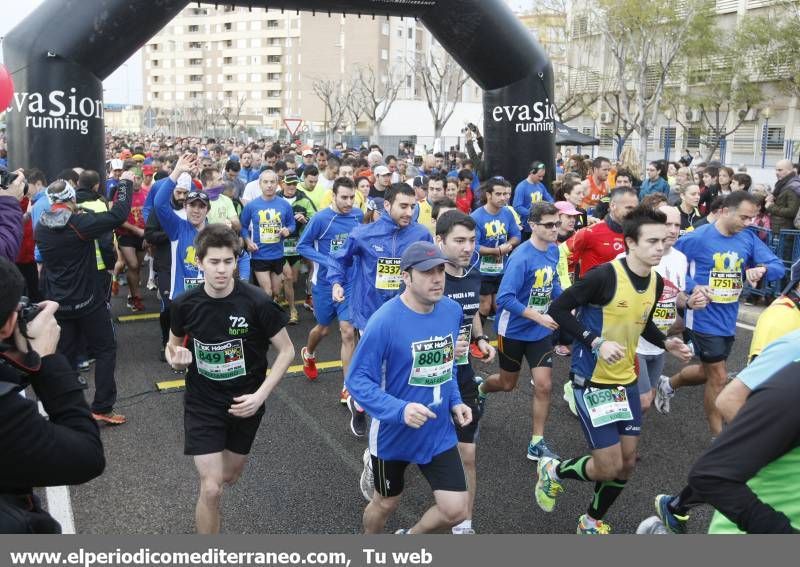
x,y
148,170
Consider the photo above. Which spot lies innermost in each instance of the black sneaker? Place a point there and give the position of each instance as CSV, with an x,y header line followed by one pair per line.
x,y
358,418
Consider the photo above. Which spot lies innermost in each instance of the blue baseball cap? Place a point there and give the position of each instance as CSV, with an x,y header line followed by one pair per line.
x,y
422,256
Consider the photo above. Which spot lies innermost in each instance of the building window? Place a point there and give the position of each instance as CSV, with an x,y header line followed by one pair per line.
x,y
273,76
195,78
408,81
274,94
384,54
227,60
155,62
154,47
410,33
273,111
228,77
227,26
692,136
228,94
194,29
195,61
156,78
274,41
606,136
228,43
272,24
672,132
774,138
385,28
273,58
195,45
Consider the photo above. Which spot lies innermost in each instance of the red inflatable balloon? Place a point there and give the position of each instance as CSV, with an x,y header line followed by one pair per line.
x,y
6,88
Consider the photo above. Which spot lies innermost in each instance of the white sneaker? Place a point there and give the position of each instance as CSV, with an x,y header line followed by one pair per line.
x,y
151,285
367,482
664,393
569,397
652,526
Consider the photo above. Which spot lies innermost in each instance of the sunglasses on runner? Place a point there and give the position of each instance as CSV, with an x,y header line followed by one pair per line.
x,y
549,225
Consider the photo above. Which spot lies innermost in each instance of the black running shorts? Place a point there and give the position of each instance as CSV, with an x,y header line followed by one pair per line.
x,y
211,429
510,352
444,472
274,266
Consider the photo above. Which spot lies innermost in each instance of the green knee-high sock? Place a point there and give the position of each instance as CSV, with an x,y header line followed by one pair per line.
x,y
605,493
574,469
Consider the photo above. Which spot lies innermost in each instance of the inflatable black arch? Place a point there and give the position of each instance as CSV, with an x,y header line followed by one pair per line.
x,y
60,54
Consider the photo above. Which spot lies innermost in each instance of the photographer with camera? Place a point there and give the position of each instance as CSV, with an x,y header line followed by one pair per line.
x,y
66,449
12,189
66,238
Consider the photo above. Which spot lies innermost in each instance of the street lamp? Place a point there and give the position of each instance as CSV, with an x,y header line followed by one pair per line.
x,y
668,134
766,113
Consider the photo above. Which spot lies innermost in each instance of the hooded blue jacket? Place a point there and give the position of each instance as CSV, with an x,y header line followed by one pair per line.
x,y
367,243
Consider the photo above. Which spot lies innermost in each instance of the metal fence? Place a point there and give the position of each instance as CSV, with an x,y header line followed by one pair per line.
x,y
786,246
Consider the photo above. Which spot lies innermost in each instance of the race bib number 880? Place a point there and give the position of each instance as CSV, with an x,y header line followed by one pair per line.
x,y
432,363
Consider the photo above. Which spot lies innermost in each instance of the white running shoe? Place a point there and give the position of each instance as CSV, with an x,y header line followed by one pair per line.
x,y
652,526
367,482
664,393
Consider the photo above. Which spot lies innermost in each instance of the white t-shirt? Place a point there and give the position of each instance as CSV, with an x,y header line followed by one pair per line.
x,y
672,268
251,191
325,182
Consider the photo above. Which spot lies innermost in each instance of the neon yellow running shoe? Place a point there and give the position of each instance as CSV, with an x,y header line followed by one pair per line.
x,y
586,526
547,487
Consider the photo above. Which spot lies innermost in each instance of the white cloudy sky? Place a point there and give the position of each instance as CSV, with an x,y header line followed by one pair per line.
x,y
125,85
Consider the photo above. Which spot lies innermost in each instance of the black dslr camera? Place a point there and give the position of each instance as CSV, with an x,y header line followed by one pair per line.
x,y
27,313
8,177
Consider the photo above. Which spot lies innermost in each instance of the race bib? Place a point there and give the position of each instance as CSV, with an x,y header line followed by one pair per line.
x,y
726,287
338,242
221,361
464,334
290,247
539,299
665,315
432,362
269,232
607,405
491,265
387,274
191,283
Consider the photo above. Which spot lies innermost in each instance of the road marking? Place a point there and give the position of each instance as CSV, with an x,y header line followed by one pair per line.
x,y
138,317
59,504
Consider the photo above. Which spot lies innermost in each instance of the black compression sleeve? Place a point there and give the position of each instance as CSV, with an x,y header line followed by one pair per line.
x,y
594,288
651,332
767,426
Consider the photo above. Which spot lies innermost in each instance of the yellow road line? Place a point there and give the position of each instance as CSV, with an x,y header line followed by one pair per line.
x,y
138,317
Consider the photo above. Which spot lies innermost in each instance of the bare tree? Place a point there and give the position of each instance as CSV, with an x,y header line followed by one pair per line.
x,y
376,94
232,113
645,38
442,81
335,95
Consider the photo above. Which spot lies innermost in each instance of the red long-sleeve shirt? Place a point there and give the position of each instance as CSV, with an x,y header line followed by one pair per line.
x,y
594,245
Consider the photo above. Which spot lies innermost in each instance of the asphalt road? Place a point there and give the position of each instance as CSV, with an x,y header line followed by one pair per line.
x,y
304,468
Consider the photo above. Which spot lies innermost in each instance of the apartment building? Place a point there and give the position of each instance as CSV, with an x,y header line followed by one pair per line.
x,y
767,133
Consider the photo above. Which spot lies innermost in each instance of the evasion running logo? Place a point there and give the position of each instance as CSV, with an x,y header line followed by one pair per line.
x,y
57,110
535,117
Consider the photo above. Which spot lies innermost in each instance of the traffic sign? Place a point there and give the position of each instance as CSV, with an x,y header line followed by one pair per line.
x,y
293,124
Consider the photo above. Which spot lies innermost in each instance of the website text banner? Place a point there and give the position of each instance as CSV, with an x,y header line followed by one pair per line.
x,y
391,551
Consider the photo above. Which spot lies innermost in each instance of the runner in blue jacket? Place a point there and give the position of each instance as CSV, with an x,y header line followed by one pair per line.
x,y
375,249
182,232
